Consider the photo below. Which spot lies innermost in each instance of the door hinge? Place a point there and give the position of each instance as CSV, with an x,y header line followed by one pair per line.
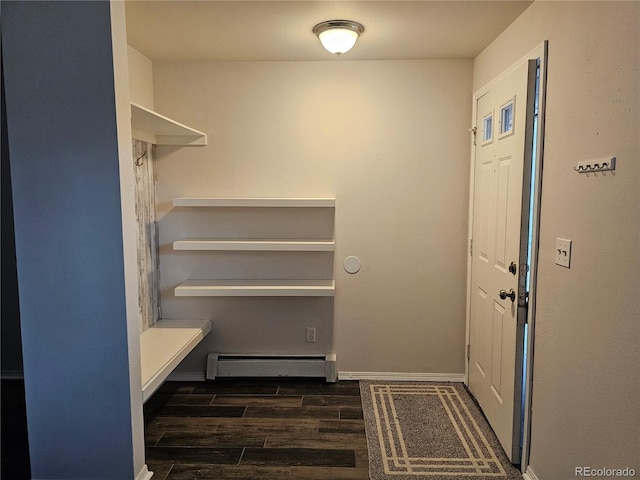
x,y
473,130
468,352
471,247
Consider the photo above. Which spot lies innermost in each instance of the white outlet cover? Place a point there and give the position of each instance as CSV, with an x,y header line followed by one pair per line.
x,y
351,264
563,252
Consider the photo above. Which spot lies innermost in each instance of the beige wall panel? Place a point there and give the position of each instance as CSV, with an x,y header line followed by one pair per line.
x,y
140,78
586,384
389,140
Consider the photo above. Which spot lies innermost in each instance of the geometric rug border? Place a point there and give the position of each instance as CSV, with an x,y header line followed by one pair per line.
x,y
388,455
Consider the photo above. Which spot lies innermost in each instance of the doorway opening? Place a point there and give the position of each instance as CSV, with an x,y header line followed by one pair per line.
x,y
502,279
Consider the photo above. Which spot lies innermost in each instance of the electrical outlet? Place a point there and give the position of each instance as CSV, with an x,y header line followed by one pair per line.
x,y
311,334
563,252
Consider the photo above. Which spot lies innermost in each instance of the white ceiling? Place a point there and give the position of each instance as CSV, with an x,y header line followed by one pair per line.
x,y
266,30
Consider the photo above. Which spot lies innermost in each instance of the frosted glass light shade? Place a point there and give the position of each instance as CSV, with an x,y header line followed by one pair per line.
x,y
338,40
338,36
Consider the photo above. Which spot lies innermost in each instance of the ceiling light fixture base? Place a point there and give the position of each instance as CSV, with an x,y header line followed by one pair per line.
x,y
338,36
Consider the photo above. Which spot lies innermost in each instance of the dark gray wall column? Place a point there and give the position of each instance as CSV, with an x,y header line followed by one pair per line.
x,y
61,120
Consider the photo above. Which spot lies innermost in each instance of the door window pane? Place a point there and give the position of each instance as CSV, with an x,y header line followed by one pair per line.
x,y
487,129
506,118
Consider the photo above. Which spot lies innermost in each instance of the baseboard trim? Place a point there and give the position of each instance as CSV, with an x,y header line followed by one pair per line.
x,y
397,376
186,377
265,365
529,475
12,375
400,376
144,474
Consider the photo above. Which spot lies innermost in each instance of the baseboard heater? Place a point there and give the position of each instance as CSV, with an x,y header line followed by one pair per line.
x,y
260,365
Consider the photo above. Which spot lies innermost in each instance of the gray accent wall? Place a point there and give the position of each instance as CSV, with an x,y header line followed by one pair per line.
x,y
63,139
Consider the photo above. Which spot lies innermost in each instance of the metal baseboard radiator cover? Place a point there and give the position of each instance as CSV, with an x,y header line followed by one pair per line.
x,y
260,365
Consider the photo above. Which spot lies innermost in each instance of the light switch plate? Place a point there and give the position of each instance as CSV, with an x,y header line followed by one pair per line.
x,y
563,252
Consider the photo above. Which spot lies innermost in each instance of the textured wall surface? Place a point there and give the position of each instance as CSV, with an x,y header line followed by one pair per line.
x,y
148,264
389,140
585,372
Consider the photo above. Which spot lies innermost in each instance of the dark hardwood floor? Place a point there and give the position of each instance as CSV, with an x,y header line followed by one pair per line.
x,y
256,429
14,441
230,429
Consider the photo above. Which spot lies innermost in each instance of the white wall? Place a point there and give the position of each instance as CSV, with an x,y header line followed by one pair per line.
x,y
586,385
389,140
140,78
122,88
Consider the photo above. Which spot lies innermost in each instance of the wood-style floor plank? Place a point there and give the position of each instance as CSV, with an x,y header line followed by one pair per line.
x,y
258,400
200,411
228,472
265,429
292,412
332,400
351,413
341,426
215,439
334,473
298,456
194,455
328,441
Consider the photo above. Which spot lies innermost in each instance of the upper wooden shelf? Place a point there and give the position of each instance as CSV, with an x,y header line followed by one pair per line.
x,y
152,127
253,202
255,245
256,288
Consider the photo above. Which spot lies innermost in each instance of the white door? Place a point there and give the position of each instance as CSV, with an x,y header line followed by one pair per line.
x,y
499,245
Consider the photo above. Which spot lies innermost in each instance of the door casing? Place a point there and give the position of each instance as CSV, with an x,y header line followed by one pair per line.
x,y
539,53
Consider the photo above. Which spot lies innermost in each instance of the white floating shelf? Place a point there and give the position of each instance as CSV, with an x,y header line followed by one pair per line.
x,y
256,288
163,346
152,127
256,245
253,202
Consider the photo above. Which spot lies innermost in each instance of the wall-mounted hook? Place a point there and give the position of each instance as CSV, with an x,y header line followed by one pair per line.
x,y
139,159
600,165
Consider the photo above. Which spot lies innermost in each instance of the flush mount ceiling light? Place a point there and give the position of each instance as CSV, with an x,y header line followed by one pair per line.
x,y
338,36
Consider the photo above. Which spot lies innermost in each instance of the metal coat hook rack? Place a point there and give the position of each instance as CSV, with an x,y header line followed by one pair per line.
x,y
592,166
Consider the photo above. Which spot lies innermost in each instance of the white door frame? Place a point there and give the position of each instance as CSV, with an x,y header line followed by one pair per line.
x,y
539,52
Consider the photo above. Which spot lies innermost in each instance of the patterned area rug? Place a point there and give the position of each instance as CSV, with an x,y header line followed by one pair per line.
x,y
429,430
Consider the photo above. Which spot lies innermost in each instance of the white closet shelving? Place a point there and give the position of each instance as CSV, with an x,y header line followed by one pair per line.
x,y
163,346
166,343
254,202
150,126
255,287
256,245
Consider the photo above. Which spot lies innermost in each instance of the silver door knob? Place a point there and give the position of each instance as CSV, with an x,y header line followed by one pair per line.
x,y
512,295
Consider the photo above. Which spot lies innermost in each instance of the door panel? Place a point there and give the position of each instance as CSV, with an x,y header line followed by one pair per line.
x,y
484,204
496,323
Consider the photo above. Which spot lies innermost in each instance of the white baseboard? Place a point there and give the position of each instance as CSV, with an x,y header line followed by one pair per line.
x,y
12,375
529,475
186,377
265,365
400,376
397,376
144,474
